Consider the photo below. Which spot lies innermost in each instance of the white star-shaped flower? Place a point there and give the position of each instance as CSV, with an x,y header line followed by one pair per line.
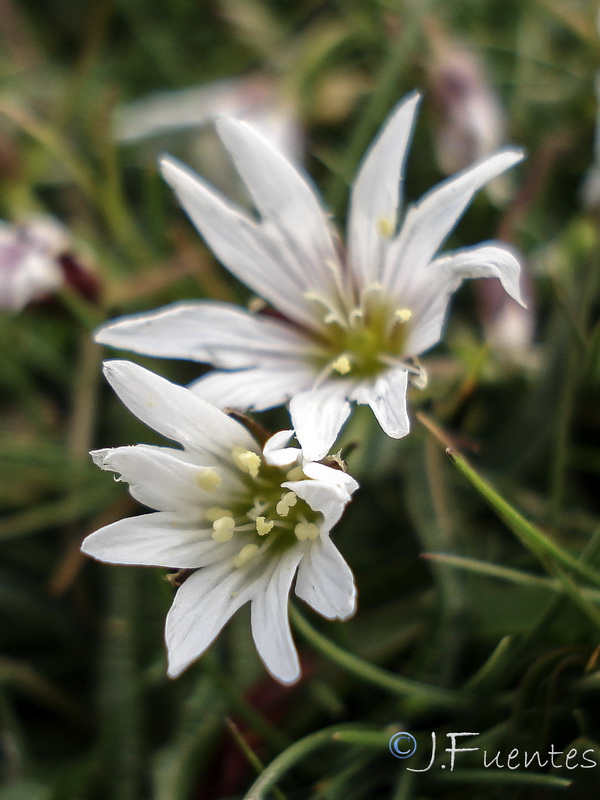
x,y
244,519
351,324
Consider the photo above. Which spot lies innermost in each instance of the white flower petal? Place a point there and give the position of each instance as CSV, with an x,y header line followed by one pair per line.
x,y
252,389
240,243
327,498
377,192
160,539
159,479
270,622
207,331
318,416
336,477
387,397
326,582
202,606
176,412
277,454
286,201
491,260
444,276
429,222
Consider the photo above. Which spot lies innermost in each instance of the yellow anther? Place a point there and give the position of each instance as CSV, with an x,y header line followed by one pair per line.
x,y
223,529
385,227
264,526
282,508
214,512
295,474
342,365
256,304
209,480
403,314
247,552
312,296
288,500
306,530
247,461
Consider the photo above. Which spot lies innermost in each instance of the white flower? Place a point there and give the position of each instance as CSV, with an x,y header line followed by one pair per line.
x,y
28,265
352,324
256,98
244,519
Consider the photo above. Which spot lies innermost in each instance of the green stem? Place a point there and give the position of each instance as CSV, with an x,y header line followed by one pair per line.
x,y
515,576
297,751
369,673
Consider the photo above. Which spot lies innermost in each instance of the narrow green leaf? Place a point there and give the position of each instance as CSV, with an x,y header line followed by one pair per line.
x,y
384,679
529,535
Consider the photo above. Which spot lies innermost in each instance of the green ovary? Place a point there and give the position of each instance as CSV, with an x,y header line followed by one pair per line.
x,y
372,335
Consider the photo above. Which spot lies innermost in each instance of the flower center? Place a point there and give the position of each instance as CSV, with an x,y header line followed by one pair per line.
x,y
366,339
264,514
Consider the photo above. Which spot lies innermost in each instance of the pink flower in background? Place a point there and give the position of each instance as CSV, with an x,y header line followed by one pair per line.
x,y
471,123
470,118
29,254
590,189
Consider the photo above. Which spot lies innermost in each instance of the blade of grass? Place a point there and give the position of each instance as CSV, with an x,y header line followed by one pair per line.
x,y
498,778
191,747
516,576
302,748
250,755
530,536
370,673
119,689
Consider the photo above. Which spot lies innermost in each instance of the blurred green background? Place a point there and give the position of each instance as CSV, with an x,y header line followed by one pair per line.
x,y
504,639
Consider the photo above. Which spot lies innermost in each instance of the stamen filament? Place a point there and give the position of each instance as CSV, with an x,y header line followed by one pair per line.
x,y
212,514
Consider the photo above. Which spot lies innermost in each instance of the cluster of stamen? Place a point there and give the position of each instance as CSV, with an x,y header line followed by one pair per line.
x,y
265,512
365,338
